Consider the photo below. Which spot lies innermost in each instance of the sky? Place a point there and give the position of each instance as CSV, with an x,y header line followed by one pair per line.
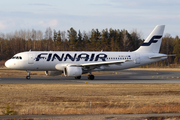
x,y
85,15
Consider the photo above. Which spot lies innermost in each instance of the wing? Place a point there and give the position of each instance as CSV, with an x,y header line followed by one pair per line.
x,y
103,63
91,66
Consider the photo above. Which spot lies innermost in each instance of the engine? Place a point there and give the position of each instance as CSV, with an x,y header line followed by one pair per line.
x,y
72,71
53,73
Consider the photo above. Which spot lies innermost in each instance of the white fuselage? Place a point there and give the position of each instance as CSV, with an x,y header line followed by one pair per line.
x,y
47,60
74,63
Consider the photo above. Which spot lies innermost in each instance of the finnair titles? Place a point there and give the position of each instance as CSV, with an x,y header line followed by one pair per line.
x,y
75,64
77,57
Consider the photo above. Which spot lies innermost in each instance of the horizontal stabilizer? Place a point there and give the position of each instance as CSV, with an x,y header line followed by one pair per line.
x,y
160,56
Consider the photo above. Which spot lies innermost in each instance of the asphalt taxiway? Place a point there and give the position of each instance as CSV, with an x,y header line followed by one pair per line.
x,y
124,76
96,117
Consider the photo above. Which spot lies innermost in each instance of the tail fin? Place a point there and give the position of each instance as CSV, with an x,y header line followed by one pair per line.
x,y
153,41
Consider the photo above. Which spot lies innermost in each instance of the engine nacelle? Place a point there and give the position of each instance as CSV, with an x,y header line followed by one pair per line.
x,y
72,71
53,73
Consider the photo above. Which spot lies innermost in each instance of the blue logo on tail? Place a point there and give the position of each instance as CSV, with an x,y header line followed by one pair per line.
x,y
152,41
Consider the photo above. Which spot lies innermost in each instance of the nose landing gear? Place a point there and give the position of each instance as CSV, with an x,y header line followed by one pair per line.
x,y
28,75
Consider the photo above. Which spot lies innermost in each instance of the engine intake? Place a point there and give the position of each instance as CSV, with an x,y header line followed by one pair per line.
x,y
72,71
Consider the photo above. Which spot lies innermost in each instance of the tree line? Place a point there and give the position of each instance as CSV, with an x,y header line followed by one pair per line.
x,y
72,40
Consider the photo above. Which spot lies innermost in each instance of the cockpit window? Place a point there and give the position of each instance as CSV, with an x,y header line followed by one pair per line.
x,y
17,57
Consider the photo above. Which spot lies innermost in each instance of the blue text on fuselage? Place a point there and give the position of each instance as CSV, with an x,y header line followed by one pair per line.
x,y
74,57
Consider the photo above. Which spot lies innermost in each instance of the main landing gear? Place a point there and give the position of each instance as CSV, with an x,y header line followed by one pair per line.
x,y
90,77
28,75
78,77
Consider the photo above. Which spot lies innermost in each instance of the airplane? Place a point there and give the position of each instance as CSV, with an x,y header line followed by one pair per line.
x,y
74,63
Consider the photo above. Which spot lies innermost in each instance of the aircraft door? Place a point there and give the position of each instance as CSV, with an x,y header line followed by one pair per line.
x,y
137,60
30,58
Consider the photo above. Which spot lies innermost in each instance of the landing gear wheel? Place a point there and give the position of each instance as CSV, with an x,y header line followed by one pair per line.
x,y
91,77
28,77
78,77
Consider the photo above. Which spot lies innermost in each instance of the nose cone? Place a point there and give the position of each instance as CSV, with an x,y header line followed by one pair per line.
x,y
7,63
